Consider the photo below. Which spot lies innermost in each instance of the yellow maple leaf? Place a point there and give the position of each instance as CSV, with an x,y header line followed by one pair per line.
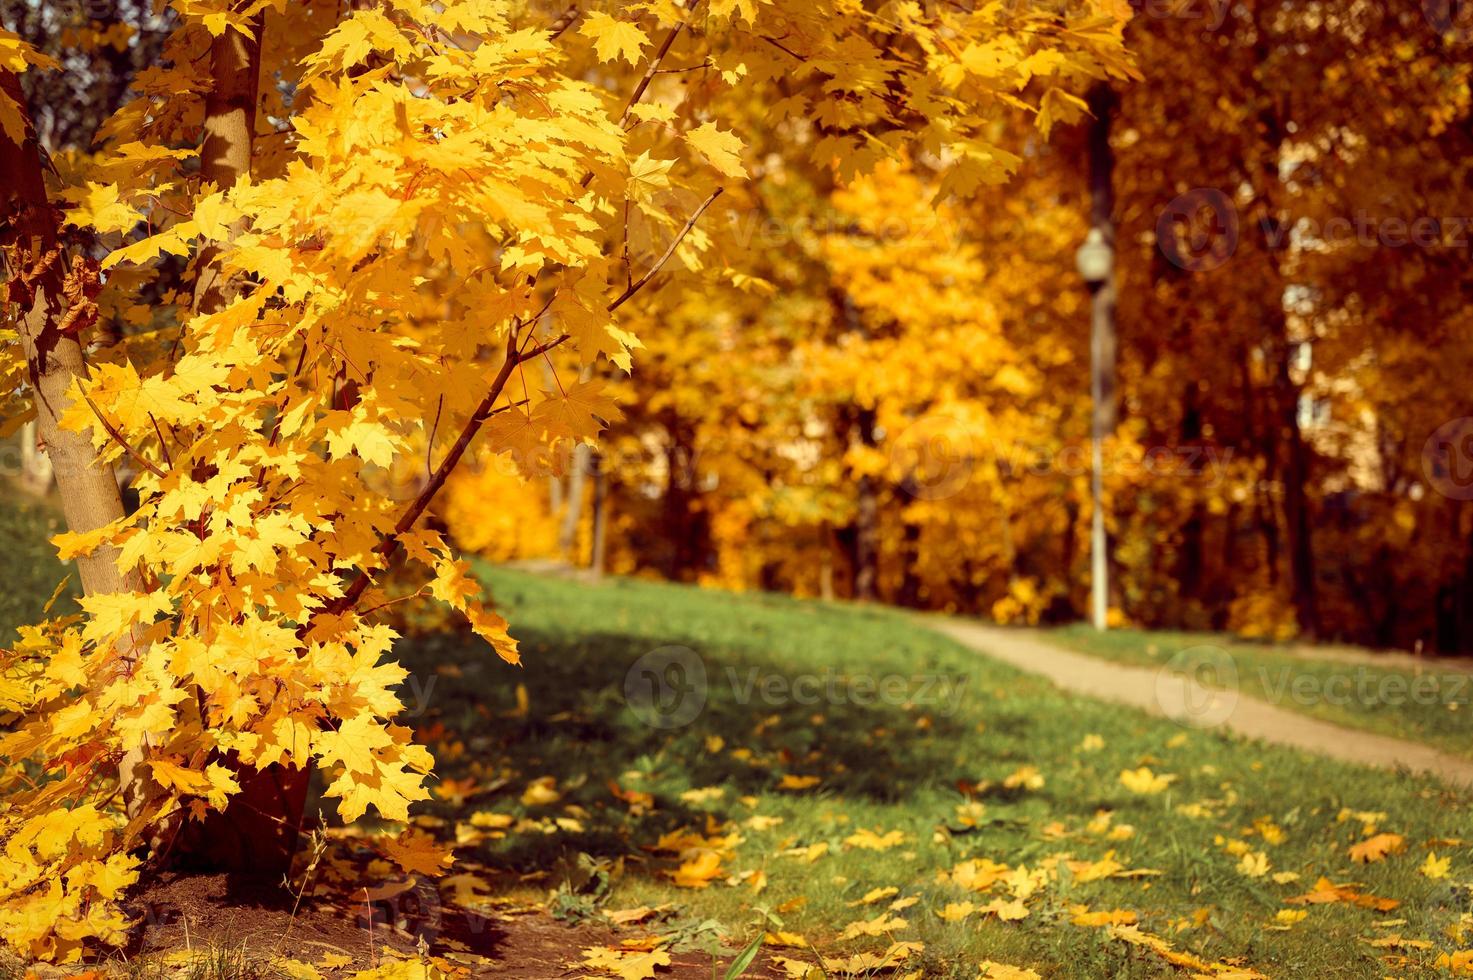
x,y
698,871
992,970
721,150
1435,867
614,38
1144,782
1374,849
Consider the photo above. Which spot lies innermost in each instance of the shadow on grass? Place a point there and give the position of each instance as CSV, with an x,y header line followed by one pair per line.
x,y
754,727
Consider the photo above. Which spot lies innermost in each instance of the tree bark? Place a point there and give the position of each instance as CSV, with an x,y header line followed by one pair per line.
x,y
1103,344
30,233
600,515
36,263
230,127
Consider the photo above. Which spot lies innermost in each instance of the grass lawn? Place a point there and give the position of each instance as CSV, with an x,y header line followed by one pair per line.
x,y
822,804
1426,704
31,570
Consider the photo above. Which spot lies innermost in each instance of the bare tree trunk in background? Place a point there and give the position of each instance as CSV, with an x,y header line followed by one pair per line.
x,y
866,520
862,537
1286,392
567,535
600,515
1103,344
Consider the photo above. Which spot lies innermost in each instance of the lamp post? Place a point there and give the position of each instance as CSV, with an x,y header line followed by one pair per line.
x,y
1096,264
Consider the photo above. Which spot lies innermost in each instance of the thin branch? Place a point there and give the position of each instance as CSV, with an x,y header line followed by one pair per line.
x,y
430,443
782,47
118,438
637,286
163,446
417,507
649,75
654,68
565,20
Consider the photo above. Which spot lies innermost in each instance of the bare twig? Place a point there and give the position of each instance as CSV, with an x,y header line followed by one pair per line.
x,y
564,21
118,438
416,509
649,75
674,244
654,67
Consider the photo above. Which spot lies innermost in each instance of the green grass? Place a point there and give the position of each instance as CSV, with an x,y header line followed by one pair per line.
x,y
31,570
1429,704
895,766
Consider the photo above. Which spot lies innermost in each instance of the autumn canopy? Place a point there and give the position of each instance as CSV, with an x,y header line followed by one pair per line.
x,y
320,255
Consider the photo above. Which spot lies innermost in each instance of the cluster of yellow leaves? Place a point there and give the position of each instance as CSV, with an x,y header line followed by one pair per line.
x,y
449,191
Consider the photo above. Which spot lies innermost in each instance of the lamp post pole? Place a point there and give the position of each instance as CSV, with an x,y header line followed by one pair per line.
x,y
1096,262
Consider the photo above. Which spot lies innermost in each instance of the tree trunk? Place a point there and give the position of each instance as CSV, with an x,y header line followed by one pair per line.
x,y
225,154
866,520
36,280
1103,421
600,514
567,535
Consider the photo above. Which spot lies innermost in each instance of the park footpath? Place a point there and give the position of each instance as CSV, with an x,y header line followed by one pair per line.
x,y
1159,694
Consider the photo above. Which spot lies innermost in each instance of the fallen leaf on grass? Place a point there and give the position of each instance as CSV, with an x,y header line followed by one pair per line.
x,y
1325,892
868,840
956,911
1398,942
989,970
797,782
1459,963
1006,911
808,854
1144,782
788,940
625,965
1167,952
1289,918
1376,848
1435,867
875,895
1254,864
1117,917
541,792
1026,777
698,871
879,925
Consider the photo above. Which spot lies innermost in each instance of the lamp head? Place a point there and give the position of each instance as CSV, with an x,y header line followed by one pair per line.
x,y
1095,259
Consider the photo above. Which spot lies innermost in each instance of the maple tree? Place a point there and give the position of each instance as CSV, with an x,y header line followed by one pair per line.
x,y
334,239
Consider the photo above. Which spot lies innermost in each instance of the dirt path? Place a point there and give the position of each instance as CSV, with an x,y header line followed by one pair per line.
x,y
1161,692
